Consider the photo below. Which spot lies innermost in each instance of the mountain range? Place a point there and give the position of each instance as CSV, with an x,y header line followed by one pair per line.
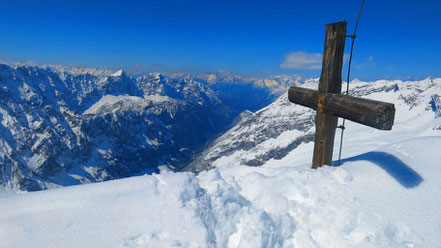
x,y
65,126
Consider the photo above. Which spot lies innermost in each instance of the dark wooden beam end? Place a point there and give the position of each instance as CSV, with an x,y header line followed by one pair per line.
x,y
376,114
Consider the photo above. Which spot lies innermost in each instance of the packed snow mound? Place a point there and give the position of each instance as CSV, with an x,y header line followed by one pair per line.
x,y
389,197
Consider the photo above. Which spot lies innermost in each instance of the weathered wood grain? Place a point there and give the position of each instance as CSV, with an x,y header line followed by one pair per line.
x,y
368,112
330,82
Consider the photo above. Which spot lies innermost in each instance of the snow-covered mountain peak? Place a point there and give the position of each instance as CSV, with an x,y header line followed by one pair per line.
x,y
108,100
156,76
119,73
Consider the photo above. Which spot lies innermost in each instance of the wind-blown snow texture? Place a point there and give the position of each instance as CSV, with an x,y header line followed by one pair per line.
x,y
60,128
387,192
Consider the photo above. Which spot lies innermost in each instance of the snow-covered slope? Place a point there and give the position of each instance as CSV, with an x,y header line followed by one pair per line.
x,y
272,132
387,193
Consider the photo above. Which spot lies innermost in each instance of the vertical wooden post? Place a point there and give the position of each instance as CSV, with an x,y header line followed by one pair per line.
x,y
330,82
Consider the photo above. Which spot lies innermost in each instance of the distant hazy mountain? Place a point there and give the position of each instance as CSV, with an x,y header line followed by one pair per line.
x,y
74,70
240,92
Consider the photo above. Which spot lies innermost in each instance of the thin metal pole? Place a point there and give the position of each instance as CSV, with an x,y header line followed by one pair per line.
x,y
347,80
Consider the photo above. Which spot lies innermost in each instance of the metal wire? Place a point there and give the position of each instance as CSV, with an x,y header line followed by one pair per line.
x,y
353,36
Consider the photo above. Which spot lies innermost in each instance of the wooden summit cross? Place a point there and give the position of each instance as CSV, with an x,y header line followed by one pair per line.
x,y
331,104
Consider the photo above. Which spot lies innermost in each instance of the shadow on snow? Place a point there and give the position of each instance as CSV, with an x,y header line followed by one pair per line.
x,y
401,172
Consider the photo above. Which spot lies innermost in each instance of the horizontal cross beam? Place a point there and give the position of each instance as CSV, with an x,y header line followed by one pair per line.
x,y
371,113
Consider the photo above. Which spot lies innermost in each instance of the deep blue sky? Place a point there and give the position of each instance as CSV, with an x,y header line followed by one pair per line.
x,y
396,39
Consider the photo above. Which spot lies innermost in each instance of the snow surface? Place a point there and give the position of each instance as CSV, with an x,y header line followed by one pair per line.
x,y
389,199
111,99
387,193
157,98
117,73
